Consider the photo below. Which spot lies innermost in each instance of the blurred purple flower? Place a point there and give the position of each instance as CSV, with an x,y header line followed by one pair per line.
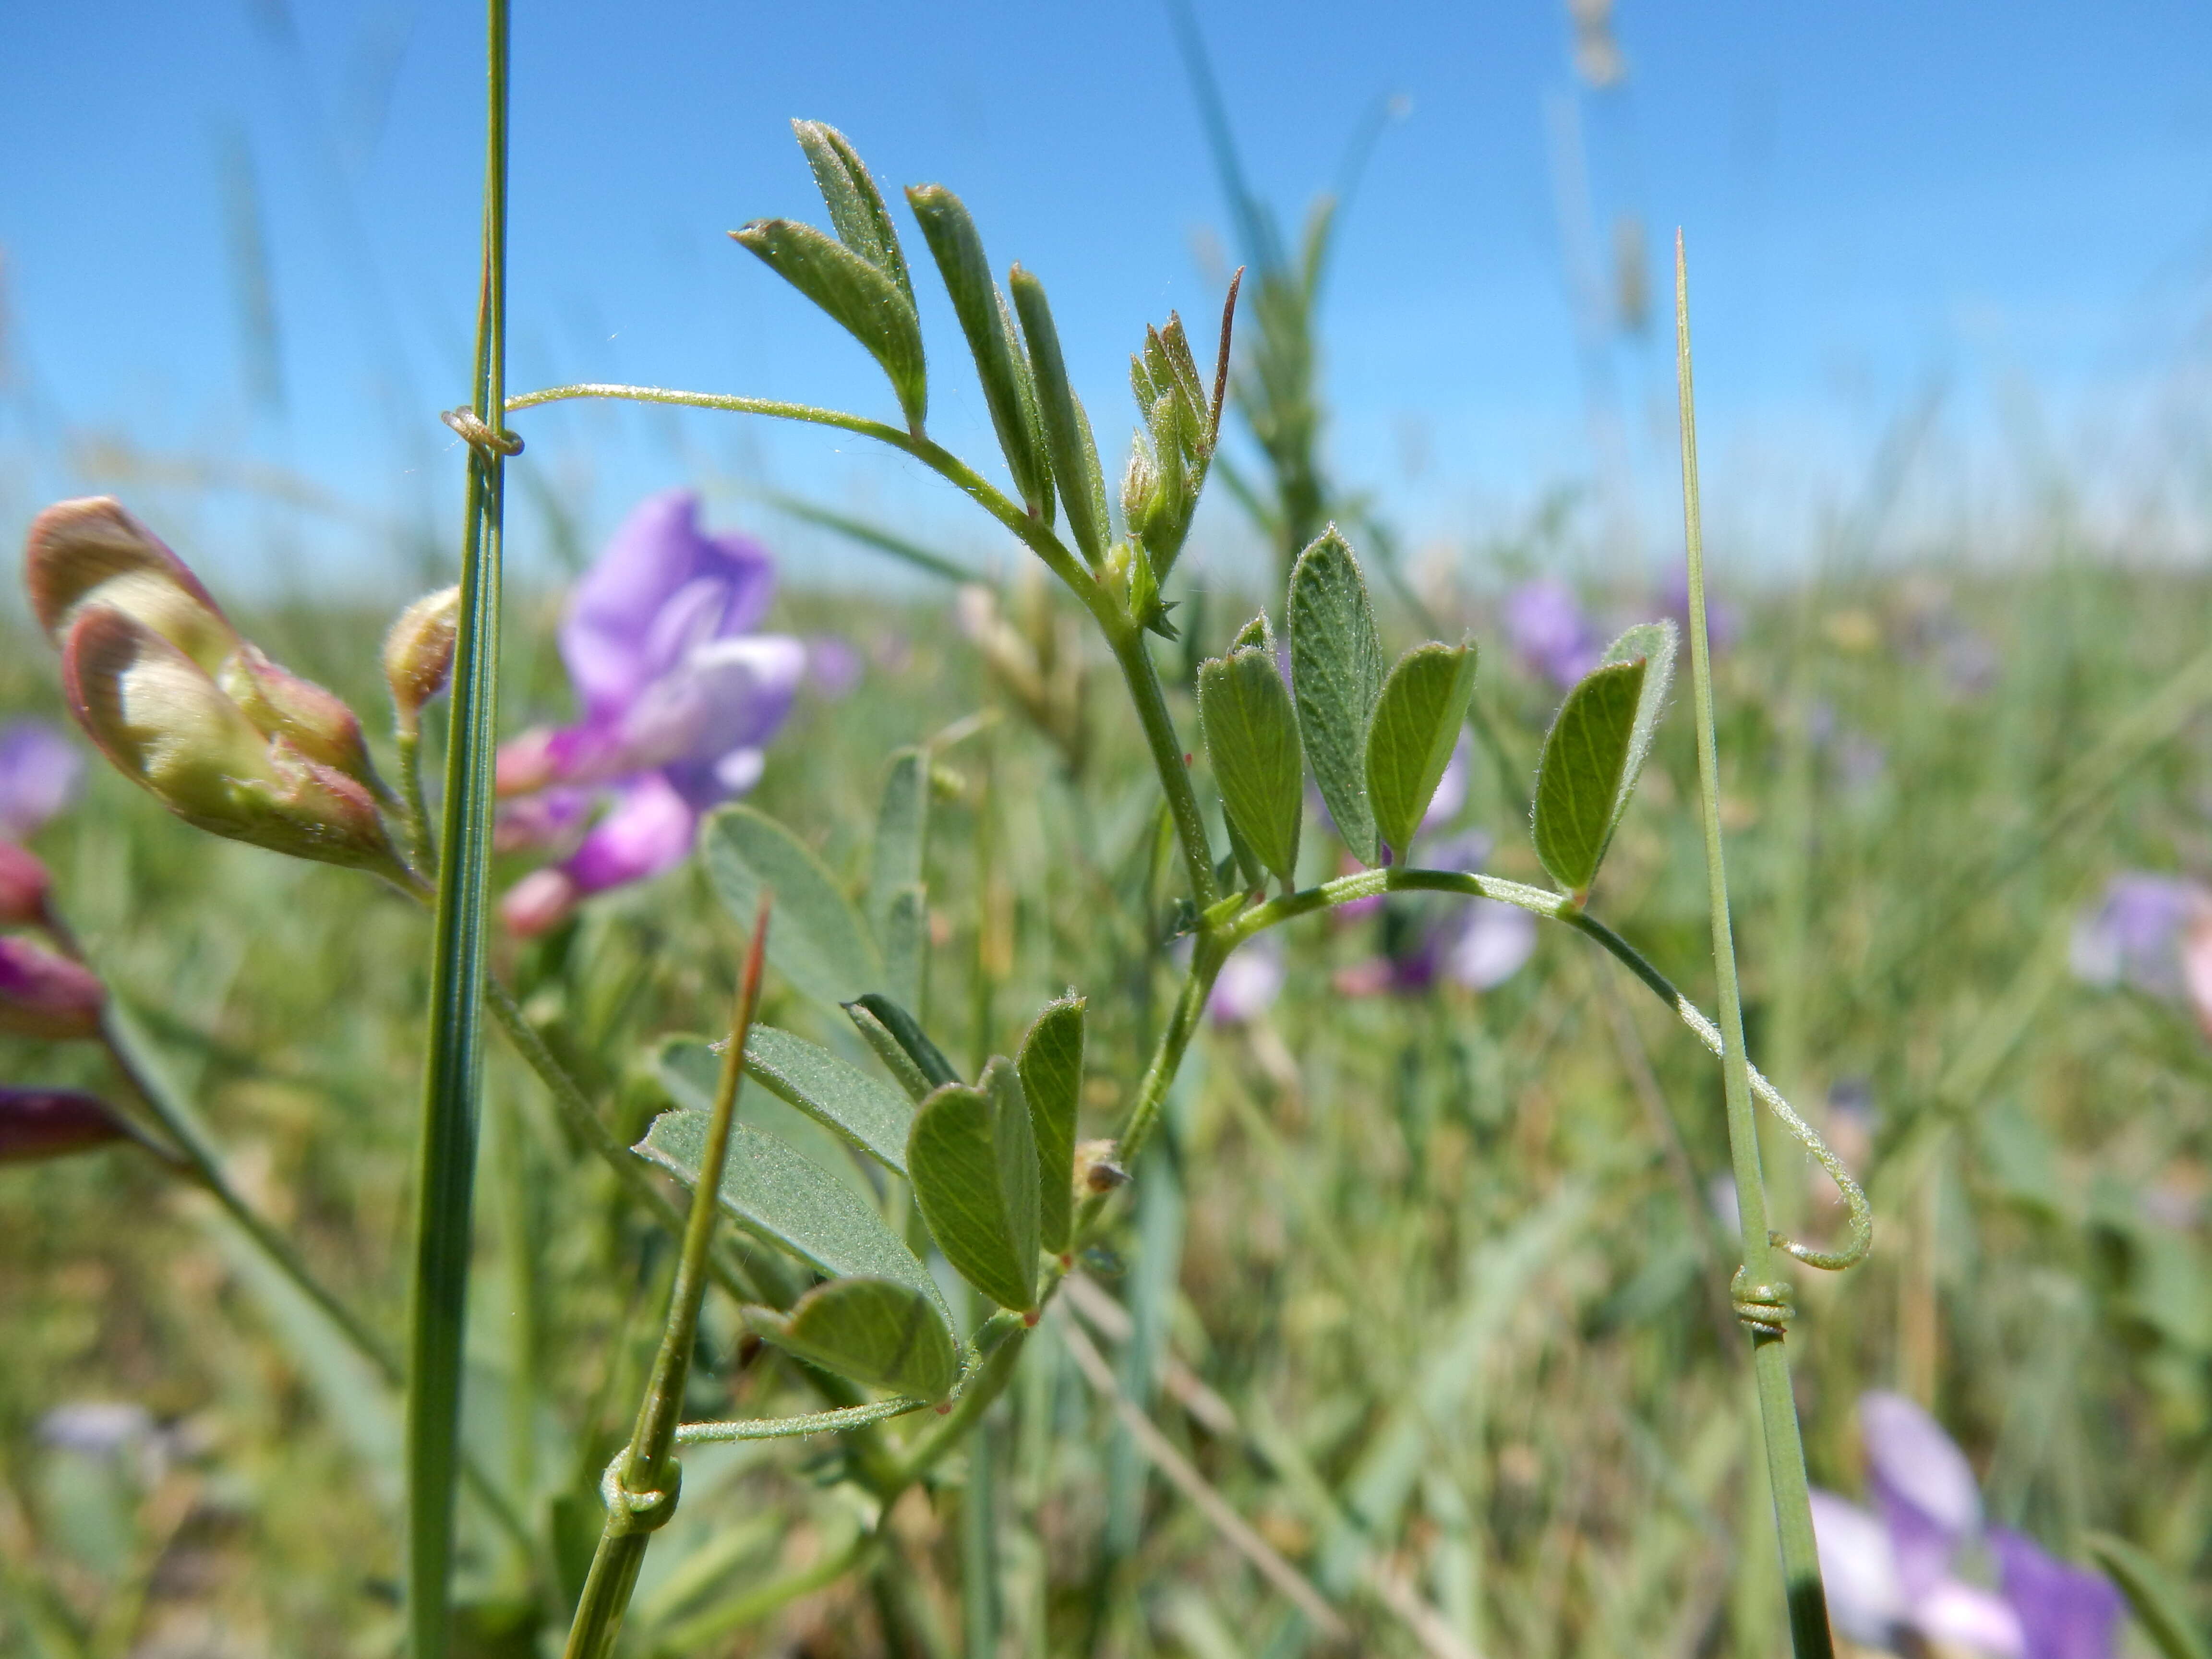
x,y
834,664
1893,1576
1491,942
46,995
2135,935
39,772
1248,983
679,695
1548,631
2067,1611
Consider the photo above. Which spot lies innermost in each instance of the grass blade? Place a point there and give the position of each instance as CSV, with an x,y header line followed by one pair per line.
x,y
453,1079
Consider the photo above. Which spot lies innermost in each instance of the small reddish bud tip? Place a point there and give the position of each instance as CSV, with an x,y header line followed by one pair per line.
x,y
945,1410
1031,1317
1185,757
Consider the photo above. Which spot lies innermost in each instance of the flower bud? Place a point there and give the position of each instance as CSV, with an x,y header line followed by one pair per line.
x,y
418,652
46,995
23,887
166,725
42,1123
90,551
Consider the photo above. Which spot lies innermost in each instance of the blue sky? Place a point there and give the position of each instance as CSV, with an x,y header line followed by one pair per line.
x,y
2010,205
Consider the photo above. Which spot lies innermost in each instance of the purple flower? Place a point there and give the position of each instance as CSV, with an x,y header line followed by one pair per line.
x,y
1548,631
39,772
2066,1611
2135,936
680,697
1490,944
1895,1574
834,664
46,995
1248,983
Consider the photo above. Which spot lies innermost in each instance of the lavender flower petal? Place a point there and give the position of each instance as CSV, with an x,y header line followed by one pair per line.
x,y
1493,940
2133,936
1248,983
1957,1616
649,831
1922,1485
2065,1612
40,769
1548,631
1865,1600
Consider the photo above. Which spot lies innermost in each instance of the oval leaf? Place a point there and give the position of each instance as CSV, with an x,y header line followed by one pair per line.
x,y
818,942
1252,738
773,1193
1000,363
1417,721
888,1048
1066,429
864,299
1578,775
873,1330
830,1091
1655,643
1051,1065
973,1160
856,207
1336,674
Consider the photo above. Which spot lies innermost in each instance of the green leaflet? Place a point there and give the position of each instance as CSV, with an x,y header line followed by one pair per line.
x,y
818,942
897,899
876,1331
835,1095
869,304
1336,674
906,1030
974,1164
2159,1604
1655,642
1251,735
856,207
1051,1067
889,1050
1580,772
1000,362
773,1192
1417,721
1067,430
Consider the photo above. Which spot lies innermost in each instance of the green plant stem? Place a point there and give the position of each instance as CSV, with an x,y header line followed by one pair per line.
x,y
422,846
643,1484
1207,956
1123,634
1785,1452
453,1073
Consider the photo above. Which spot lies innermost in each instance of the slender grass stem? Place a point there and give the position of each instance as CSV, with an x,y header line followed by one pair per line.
x,y
453,1073
642,1484
1785,1452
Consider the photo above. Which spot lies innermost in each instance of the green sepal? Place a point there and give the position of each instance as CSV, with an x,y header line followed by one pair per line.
x,y
1336,675
856,207
776,1195
1001,362
1066,429
1417,723
875,1331
819,942
906,1030
872,307
973,1159
1051,1067
1580,772
1251,734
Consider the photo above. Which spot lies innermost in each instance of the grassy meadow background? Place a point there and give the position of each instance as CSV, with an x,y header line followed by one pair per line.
x,y
1428,1285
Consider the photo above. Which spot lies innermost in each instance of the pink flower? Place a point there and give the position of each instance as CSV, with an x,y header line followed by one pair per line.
x,y
43,1123
43,994
680,696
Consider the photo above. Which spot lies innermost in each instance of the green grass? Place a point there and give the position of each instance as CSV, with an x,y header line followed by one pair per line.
x,y
1429,1249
